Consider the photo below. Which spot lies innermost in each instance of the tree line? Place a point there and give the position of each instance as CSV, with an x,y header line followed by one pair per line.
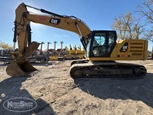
x,y
133,26
5,46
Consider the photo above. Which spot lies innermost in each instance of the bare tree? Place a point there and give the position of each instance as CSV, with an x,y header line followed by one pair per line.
x,y
138,29
123,24
5,46
127,26
118,26
128,20
149,34
146,9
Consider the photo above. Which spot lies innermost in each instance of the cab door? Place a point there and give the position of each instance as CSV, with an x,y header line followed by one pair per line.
x,y
102,43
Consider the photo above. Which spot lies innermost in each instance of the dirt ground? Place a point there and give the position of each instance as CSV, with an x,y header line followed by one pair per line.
x,y
56,93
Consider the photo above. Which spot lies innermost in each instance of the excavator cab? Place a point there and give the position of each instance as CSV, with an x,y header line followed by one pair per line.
x,y
101,43
104,46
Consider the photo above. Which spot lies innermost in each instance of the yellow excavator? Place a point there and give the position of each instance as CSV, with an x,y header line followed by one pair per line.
x,y
101,46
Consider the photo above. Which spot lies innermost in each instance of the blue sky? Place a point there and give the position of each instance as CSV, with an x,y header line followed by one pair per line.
x,y
97,14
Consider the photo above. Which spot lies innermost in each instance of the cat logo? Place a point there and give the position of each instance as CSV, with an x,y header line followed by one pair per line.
x,y
124,48
54,21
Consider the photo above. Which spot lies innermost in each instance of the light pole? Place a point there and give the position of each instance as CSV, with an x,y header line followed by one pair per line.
x,y
55,46
61,46
48,47
41,44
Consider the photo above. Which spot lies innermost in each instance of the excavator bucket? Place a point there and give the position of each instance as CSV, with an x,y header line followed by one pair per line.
x,y
22,67
16,69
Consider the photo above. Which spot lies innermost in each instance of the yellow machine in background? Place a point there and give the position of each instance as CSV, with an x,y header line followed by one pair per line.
x,y
100,47
74,53
72,50
54,58
57,57
78,52
81,52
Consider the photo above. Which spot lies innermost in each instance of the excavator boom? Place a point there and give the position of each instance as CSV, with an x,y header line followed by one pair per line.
x,y
70,23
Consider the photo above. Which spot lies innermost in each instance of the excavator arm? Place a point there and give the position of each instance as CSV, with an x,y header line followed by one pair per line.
x,y
22,34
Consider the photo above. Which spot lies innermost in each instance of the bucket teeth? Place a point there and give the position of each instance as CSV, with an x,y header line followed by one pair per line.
x,y
22,67
16,69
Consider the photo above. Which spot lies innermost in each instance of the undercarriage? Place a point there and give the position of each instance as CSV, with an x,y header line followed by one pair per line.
x,y
83,69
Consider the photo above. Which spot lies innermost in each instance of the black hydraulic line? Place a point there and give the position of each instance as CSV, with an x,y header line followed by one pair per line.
x,y
45,11
14,38
83,43
48,12
29,34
